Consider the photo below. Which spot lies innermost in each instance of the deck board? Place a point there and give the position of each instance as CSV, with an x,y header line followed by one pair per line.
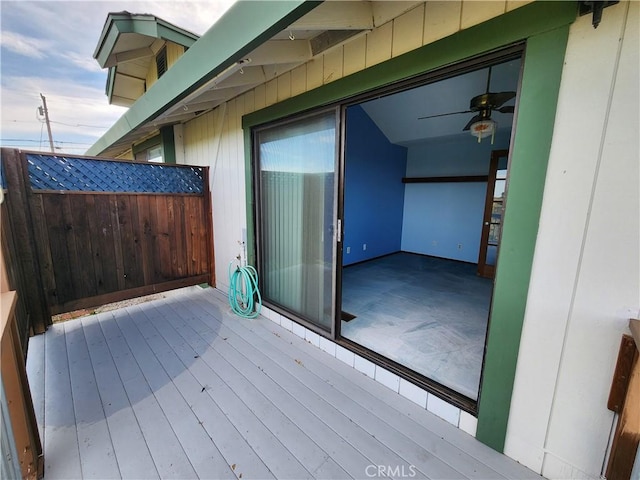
x,y
204,457
164,447
272,361
322,454
407,415
180,388
97,456
364,409
60,437
134,458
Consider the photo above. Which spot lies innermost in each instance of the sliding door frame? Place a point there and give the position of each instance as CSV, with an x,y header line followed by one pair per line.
x,y
335,227
544,26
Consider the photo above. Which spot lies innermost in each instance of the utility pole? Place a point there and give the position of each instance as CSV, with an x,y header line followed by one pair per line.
x,y
46,119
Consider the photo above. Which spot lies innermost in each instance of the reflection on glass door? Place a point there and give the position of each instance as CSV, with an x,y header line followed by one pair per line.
x,y
493,214
297,165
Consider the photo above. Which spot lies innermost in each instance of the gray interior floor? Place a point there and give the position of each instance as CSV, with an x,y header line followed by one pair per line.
x,y
181,388
426,313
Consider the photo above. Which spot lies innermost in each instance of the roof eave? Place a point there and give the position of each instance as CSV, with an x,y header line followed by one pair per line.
x,y
242,28
149,25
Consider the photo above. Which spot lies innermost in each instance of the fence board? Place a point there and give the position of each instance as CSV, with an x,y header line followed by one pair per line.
x,y
83,246
117,241
127,216
96,254
8,261
28,278
54,219
179,237
70,230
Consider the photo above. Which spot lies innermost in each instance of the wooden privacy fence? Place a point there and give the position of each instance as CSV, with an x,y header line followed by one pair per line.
x,y
90,231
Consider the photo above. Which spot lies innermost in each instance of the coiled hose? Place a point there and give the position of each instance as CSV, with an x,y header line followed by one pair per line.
x,y
244,295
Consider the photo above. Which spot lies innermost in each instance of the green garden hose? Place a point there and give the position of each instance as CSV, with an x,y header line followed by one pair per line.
x,y
244,295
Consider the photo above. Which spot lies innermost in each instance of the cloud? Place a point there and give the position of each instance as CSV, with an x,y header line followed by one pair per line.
x,y
79,114
24,45
60,37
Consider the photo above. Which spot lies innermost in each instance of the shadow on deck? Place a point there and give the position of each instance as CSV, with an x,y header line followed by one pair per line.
x,y
181,388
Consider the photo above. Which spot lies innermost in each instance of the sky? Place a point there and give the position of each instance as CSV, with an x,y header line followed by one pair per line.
x,y
47,48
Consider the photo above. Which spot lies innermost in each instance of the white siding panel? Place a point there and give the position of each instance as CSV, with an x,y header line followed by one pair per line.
x,y
585,278
260,99
298,80
314,73
475,12
443,409
354,55
384,12
441,19
284,86
271,92
513,4
468,423
607,292
408,31
333,61
379,45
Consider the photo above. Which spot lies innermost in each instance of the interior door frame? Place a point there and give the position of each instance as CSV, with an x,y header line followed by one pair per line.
x,y
484,270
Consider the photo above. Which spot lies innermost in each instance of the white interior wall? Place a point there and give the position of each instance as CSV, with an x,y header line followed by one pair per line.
x,y
585,282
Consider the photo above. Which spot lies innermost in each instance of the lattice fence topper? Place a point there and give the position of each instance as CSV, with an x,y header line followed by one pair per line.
x,y
51,172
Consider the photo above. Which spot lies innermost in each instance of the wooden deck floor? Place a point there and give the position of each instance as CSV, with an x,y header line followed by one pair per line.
x,y
181,388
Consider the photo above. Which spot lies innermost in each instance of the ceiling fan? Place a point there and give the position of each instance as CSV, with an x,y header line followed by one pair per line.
x,y
483,104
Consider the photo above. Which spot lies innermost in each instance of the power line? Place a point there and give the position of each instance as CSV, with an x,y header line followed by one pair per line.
x,y
79,125
61,123
28,140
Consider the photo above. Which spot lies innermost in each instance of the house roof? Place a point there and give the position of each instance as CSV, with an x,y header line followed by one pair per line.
x,y
128,44
254,42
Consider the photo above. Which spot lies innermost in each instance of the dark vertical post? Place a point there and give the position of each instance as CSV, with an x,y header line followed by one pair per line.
x,y
208,210
19,212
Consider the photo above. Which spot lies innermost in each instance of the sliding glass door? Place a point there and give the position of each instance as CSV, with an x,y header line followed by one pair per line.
x,y
296,179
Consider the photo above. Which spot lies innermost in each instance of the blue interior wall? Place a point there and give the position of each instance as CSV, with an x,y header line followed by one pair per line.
x,y
439,219
374,192
445,219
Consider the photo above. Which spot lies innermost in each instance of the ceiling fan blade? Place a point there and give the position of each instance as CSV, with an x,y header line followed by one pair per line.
x,y
443,114
507,109
497,99
472,121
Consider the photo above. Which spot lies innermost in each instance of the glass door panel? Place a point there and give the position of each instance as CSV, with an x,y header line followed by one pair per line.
x,y
297,165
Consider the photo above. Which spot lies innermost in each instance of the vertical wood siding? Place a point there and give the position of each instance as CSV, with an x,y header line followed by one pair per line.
x,y
174,52
216,138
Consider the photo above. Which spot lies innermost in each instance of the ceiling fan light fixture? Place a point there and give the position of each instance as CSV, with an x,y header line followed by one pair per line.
x,y
484,128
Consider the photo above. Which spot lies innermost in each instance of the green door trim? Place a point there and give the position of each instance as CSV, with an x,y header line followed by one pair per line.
x,y
545,28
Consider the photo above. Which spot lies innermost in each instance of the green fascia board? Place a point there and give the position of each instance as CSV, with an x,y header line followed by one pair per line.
x,y
245,26
544,26
111,79
147,144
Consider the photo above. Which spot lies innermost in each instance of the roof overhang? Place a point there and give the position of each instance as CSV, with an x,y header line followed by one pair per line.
x,y
254,42
127,46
